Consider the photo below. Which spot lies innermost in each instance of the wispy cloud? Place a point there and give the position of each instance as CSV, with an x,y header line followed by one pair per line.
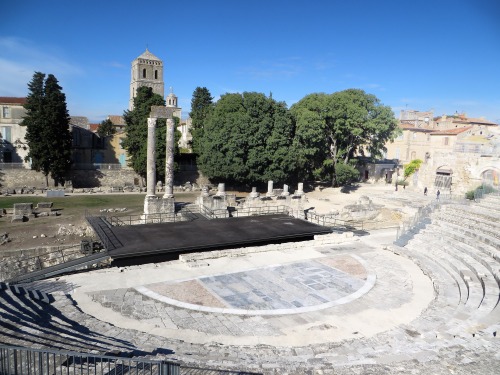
x,y
20,58
279,69
374,86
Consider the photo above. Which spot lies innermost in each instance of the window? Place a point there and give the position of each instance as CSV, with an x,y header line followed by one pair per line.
x,y
400,137
144,73
6,132
446,141
414,135
396,156
6,112
156,74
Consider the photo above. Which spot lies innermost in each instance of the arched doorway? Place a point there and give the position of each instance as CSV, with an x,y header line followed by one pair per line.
x,y
443,177
491,177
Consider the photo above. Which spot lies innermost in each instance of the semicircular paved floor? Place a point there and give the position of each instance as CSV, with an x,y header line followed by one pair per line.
x,y
307,294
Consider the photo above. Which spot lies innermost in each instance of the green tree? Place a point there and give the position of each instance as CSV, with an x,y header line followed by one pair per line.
x,y
106,129
247,139
201,105
334,128
135,141
47,128
411,167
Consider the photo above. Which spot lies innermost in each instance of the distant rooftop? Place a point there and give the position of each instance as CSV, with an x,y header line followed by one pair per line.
x,y
12,100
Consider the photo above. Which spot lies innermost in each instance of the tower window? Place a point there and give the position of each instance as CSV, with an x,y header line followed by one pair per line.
x,y
144,73
156,74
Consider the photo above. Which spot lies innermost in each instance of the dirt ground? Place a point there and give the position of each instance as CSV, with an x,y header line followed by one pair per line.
x,y
70,226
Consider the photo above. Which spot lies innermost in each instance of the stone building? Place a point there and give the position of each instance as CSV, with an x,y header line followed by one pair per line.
x,y
13,147
147,70
458,152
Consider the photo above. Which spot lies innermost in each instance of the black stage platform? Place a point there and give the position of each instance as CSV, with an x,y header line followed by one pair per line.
x,y
158,239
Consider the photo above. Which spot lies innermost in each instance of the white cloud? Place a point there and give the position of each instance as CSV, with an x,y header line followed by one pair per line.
x,y
20,58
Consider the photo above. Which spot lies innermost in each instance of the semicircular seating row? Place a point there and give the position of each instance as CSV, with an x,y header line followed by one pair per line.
x,y
459,248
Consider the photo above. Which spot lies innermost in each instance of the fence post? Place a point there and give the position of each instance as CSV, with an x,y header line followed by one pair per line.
x,y
167,368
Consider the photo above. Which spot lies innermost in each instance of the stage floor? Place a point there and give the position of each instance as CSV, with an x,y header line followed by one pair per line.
x,y
198,235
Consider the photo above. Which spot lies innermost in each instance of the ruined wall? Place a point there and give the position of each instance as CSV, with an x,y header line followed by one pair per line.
x,y
15,178
467,169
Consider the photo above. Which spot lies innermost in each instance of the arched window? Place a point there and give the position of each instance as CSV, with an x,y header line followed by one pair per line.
x,y
156,74
144,73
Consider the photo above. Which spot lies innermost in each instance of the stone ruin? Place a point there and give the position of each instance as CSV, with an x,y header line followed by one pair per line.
x,y
275,200
25,211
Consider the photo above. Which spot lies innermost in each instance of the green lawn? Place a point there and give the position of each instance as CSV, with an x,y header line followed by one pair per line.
x,y
73,204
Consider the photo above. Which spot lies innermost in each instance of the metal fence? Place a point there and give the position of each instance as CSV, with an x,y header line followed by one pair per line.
x,y
11,267
96,166
27,361
12,166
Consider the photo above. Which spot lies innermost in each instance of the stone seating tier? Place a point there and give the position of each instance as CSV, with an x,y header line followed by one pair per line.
x,y
464,317
473,237
446,317
476,275
479,255
469,222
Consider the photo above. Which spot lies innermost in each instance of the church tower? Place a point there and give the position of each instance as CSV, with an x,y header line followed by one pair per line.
x,y
147,70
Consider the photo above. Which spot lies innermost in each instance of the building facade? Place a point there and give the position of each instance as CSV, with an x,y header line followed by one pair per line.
x,y
458,152
13,147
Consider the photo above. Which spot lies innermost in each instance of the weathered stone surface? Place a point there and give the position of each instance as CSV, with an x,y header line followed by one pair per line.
x,y
23,209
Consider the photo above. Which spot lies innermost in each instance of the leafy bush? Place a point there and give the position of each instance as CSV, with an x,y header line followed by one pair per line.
x,y
470,195
346,174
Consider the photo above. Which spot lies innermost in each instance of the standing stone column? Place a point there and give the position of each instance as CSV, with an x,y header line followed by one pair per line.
x,y
151,158
285,191
270,189
254,193
221,190
169,164
300,190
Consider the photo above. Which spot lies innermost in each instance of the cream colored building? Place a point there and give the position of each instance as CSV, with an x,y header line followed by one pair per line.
x,y
458,152
13,147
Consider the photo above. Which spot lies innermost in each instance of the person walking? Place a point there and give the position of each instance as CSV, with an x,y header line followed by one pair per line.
x,y
438,194
425,190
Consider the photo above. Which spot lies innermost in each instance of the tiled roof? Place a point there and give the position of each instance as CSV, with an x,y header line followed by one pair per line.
x,y
12,100
117,119
94,127
414,129
481,121
453,131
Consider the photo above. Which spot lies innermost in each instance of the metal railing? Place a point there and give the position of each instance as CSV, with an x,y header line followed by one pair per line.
x,y
12,267
13,166
102,166
117,221
21,361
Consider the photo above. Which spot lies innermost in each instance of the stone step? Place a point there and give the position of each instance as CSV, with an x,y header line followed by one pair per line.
x,y
474,209
488,286
472,237
474,222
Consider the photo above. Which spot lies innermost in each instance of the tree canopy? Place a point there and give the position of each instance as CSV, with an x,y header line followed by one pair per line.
x,y
332,129
135,141
247,138
47,128
201,105
106,129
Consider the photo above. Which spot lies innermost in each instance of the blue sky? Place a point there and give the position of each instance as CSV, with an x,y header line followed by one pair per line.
x,y
442,54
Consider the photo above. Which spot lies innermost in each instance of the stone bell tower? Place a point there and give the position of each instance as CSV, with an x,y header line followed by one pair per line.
x,y
147,70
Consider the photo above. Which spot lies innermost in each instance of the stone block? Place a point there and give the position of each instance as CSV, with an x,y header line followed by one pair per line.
x,y
23,209
56,193
44,205
18,218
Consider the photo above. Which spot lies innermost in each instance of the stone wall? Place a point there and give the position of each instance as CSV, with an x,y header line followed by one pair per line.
x,y
17,178
13,178
467,170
